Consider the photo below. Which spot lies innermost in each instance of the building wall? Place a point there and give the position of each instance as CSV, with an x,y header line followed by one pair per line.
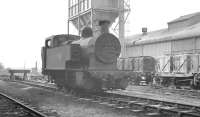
x,y
134,51
187,45
197,44
163,48
156,49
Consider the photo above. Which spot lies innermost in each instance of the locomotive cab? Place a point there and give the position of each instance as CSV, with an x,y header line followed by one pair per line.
x,y
52,50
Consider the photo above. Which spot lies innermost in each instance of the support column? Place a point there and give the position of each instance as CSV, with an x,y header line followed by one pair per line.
x,y
25,76
122,27
11,76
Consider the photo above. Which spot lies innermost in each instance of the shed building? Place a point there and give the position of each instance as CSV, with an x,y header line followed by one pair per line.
x,y
181,36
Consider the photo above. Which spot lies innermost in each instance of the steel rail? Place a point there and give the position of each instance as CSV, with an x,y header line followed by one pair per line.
x,y
33,111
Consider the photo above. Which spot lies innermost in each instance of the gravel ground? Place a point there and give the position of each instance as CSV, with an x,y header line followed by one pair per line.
x,y
171,95
60,104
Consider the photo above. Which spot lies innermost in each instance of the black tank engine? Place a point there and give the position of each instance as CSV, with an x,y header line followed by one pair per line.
x,y
84,63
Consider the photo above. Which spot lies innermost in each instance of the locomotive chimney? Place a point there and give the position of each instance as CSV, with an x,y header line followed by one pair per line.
x,y
104,26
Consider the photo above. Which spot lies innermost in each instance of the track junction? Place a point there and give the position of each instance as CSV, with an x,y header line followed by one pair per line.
x,y
144,106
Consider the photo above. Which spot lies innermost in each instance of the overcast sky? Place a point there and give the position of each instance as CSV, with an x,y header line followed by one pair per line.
x,y
24,24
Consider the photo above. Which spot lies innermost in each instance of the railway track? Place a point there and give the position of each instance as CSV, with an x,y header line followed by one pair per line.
x,y
10,107
137,105
36,84
147,106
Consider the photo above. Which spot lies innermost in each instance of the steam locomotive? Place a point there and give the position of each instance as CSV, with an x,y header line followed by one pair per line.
x,y
86,63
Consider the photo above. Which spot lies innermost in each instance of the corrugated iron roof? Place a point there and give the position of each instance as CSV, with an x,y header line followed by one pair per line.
x,y
185,17
164,35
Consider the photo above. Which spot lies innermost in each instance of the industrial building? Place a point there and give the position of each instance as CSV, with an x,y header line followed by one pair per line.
x,y
181,37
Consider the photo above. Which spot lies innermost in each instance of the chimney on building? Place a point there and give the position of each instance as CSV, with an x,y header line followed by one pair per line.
x,y
144,30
